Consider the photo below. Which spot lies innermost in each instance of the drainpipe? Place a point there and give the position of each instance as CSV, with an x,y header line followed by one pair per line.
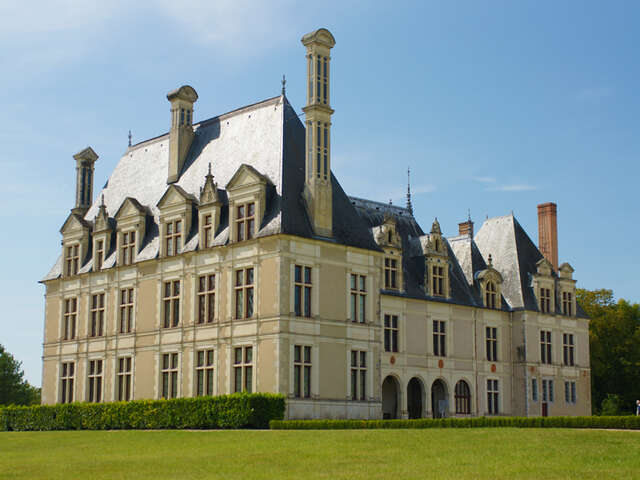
x,y
526,370
475,356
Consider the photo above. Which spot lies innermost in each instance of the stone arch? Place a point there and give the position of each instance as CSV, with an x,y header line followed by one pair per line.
x,y
390,397
415,396
462,397
439,398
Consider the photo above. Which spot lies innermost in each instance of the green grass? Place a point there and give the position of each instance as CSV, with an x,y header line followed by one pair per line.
x,y
491,453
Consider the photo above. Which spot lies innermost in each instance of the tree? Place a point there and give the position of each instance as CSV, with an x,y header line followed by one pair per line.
x,y
614,337
14,389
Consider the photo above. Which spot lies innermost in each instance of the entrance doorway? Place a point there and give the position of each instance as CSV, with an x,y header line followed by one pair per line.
x,y
545,409
414,397
390,394
439,399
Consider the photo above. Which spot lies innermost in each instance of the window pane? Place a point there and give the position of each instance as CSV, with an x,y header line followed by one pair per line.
x,y
248,355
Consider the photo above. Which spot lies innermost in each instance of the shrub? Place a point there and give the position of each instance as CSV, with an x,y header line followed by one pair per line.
x,y
611,405
239,410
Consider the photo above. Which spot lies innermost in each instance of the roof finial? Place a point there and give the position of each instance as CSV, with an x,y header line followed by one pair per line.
x,y
284,84
129,137
209,169
409,206
469,214
102,200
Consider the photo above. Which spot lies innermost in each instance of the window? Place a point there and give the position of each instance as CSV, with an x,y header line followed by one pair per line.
x,y
568,349
463,398
207,231
390,273
243,369
493,397
173,237
128,248
437,277
390,333
206,298
534,389
244,293
570,392
126,310
439,338
302,291
358,298
97,315
171,302
72,259
99,254
67,372
567,303
492,344
545,300
545,346
169,375
301,371
491,295
245,221
358,375
204,373
70,315
124,379
547,390
95,381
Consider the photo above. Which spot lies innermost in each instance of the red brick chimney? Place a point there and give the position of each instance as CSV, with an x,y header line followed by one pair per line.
x,y
548,232
466,228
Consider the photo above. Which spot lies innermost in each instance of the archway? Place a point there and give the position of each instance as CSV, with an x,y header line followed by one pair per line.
x,y
439,399
414,398
390,394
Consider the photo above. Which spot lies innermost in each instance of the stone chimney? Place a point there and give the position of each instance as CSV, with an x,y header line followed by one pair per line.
x,y
466,228
84,180
548,232
181,133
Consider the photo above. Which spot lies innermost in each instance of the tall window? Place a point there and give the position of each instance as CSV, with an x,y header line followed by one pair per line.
x,y
390,333
437,278
491,295
302,291
128,248
568,349
492,344
493,397
390,273
204,372
245,221
358,375
173,238
302,371
463,398
70,316
97,315
570,392
207,231
99,254
169,375
358,298
545,346
439,338
67,374
244,293
124,379
206,298
72,259
534,389
545,300
547,390
95,381
126,310
171,300
567,303
243,369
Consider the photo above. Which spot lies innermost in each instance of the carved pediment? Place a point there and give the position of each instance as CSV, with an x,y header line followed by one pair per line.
x,y
566,271
74,224
246,176
544,267
174,195
130,207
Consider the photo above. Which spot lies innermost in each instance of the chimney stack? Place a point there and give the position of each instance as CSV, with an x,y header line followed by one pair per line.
x,y
548,232
84,180
181,133
466,228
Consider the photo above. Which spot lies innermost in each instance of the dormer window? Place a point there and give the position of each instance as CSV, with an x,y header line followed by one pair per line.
x,y
99,254
245,221
128,247
491,295
437,279
173,238
390,273
72,259
567,303
207,231
545,300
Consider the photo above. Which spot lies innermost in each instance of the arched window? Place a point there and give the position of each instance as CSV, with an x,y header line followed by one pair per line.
x,y
491,293
463,398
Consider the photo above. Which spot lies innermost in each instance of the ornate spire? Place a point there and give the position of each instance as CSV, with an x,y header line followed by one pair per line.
x,y
435,228
284,85
490,261
129,137
409,206
209,192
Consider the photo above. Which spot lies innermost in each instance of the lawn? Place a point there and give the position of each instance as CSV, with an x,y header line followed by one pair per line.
x,y
491,453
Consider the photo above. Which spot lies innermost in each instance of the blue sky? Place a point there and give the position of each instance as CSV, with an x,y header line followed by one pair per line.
x,y
496,106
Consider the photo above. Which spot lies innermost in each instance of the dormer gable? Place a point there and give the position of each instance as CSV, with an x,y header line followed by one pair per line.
x,y
386,235
209,211
247,192
75,243
131,220
544,268
565,271
437,263
176,212
544,286
102,231
490,283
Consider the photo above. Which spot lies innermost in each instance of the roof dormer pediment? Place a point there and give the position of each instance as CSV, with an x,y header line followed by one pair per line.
x,y
130,208
246,176
74,224
544,267
174,196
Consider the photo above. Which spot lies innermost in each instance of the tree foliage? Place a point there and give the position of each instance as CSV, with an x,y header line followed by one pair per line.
x,y
14,389
614,334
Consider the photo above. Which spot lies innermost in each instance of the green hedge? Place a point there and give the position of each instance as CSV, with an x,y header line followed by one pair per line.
x,y
225,411
628,422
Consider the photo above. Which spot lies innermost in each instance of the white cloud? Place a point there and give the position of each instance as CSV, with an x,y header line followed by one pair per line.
x,y
518,187
485,179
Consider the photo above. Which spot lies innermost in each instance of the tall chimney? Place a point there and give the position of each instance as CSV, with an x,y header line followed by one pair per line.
x,y
181,133
84,180
548,232
466,228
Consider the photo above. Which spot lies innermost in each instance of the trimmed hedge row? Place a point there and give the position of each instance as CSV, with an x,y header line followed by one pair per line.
x,y
239,410
628,423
